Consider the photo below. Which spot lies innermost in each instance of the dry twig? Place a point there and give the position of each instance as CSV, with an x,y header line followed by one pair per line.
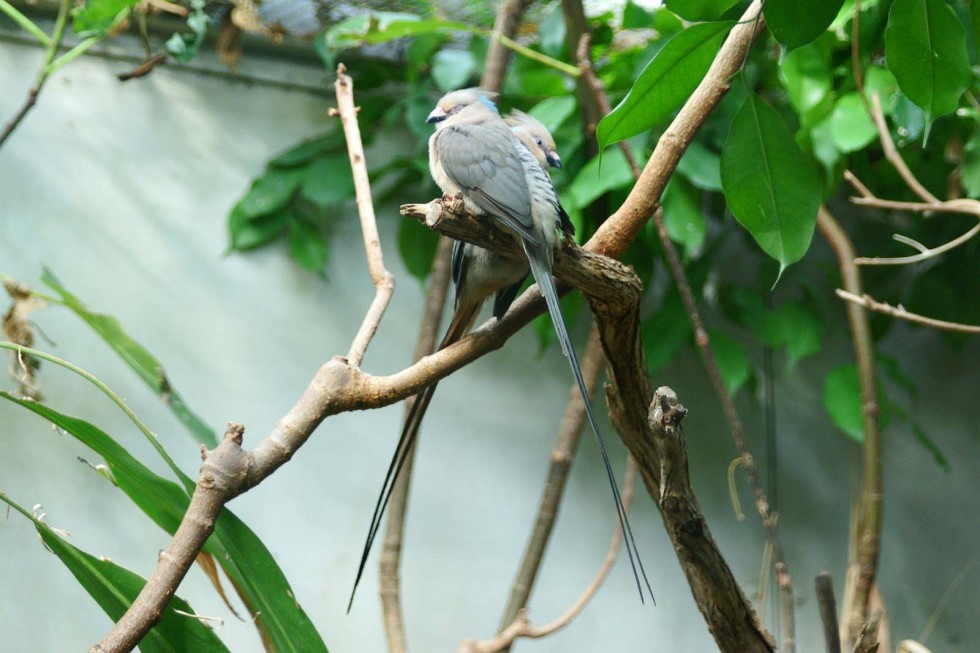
x,y
520,626
384,281
869,302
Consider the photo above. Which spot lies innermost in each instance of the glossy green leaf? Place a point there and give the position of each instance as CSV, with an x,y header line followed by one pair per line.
x,y
701,167
551,33
878,79
595,180
696,10
682,215
554,111
452,69
797,22
328,181
245,559
850,125
770,187
97,16
141,361
270,192
925,47
115,588
842,400
417,246
791,324
669,78
805,74
306,245
246,234
733,362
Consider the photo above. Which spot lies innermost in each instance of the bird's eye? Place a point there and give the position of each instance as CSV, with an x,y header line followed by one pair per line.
x,y
539,142
456,109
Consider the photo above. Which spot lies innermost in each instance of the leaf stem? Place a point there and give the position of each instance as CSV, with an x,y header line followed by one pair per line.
x,y
511,44
24,22
4,344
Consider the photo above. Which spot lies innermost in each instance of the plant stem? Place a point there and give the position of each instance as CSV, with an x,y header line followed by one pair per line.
x,y
24,22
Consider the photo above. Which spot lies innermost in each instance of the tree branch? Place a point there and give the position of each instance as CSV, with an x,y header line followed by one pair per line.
x,y
390,560
866,540
384,281
498,56
50,51
562,456
622,227
869,302
519,626
828,611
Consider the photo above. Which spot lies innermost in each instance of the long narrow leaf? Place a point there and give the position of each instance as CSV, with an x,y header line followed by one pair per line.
x,y
245,559
115,588
146,366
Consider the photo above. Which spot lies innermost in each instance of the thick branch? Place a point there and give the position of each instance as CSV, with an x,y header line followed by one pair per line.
x,y
622,227
384,281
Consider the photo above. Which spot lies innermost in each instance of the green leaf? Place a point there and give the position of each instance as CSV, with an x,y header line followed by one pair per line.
x,y
452,69
733,362
308,149
770,186
141,361
797,22
880,80
248,234
417,245
682,215
805,74
970,168
183,46
696,10
636,17
328,181
554,111
842,399
247,562
115,588
850,125
593,181
701,167
306,245
669,78
97,16
665,332
925,47
379,27
792,324
270,192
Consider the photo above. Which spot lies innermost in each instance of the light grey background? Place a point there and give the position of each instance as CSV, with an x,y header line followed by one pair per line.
x,y
123,190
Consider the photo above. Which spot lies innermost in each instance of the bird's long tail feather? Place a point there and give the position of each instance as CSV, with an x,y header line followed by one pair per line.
x,y
461,324
542,275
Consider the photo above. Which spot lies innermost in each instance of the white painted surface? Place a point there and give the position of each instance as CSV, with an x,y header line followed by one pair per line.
x,y
123,190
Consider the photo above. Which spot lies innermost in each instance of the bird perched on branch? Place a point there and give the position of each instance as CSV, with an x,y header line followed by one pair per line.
x,y
499,169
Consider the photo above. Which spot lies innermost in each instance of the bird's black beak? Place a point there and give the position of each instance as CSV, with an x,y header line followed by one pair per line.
x,y
437,115
553,159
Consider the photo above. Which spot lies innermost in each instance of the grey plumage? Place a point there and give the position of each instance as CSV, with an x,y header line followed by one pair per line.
x,y
500,173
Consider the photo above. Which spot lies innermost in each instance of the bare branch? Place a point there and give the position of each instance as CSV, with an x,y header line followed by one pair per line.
x,y
891,152
828,611
866,535
498,56
384,281
562,456
50,51
868,302
390,560
520,626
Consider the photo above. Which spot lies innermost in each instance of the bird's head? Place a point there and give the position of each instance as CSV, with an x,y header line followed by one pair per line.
x,y
468,100
535,137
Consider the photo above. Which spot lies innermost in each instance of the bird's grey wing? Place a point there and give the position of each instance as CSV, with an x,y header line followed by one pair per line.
x,y
483,161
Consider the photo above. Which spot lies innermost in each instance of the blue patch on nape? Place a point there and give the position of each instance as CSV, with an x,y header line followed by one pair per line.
x,y
488,102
